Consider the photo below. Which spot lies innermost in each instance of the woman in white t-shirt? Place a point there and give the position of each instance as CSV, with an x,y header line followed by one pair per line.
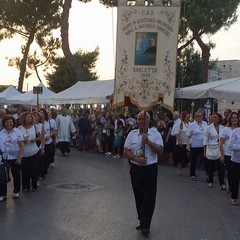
x,y
49,147
13,152
234,146
31,153
226,153
181,141
195,137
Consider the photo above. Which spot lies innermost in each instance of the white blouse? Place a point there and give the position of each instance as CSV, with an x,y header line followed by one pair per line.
x,y
30,148
196,133
225,135
212,136
234,145
11,141
182,132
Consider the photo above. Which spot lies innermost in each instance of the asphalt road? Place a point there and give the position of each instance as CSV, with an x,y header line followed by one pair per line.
x,y
89,197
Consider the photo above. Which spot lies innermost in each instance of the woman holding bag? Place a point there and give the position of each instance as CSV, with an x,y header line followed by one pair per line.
x,y
212,150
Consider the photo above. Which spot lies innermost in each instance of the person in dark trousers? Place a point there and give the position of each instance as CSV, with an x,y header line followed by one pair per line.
x,y
142,147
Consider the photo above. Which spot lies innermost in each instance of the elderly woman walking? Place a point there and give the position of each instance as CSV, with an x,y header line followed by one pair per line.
x,y
31,153
13,151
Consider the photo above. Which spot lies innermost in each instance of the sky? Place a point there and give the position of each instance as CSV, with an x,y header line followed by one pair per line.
x,y
91,25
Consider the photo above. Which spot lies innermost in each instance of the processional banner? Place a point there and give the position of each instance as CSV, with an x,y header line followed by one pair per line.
x,y
146,55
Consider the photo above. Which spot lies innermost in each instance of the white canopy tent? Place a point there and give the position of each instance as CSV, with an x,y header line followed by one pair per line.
x,y
8,93
29,98
228,89
86,92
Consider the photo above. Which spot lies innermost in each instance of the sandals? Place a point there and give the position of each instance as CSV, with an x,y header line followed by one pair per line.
x,y
193,178
210,185
180,173
223,188
234,202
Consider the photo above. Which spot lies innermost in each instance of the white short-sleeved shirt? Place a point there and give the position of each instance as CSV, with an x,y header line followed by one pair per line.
x,y
211,139
234,145
48,125
211,135
182,131
197,133
11,141
226,133
30,148
53,123
134,142
175,126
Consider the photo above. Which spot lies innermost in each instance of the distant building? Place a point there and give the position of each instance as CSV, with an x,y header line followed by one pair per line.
x,y
228,69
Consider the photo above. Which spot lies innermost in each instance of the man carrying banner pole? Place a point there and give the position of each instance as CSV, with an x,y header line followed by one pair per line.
x,y
145,76
142,147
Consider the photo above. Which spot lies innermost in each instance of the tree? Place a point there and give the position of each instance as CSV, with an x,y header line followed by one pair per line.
x,y
189,72
64,75
75,64
189,65
34,20
205,17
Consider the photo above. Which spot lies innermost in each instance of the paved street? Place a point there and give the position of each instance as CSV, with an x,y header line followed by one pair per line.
x,y
89,197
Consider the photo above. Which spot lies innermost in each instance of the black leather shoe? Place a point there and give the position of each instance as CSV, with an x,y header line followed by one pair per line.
x,y
145,231
138,227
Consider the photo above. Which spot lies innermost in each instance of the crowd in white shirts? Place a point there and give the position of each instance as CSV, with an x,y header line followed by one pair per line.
x,y
28,143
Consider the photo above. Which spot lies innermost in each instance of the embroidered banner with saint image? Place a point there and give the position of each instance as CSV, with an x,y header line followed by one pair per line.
x,y
146,55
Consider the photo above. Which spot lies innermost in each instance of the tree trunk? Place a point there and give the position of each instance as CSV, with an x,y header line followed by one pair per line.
x,y
205,57
73,62
24,61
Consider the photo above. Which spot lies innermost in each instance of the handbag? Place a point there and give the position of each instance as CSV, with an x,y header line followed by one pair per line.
x,y
213,152
3,173
4,170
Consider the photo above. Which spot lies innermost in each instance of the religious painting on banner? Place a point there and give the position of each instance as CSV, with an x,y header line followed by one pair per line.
x,y
146,54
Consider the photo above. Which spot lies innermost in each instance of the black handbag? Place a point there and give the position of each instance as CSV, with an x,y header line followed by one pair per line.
x,y
4,171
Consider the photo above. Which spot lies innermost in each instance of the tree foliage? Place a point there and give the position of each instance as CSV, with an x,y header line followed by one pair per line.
x,y
189,72
189,66
64,76
33,20
205,17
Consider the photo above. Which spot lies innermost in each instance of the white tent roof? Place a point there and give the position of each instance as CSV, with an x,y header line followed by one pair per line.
x,y
228,89
29,98
8,93
86,92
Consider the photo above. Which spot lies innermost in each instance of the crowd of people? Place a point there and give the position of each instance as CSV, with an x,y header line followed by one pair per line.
x,y
28,141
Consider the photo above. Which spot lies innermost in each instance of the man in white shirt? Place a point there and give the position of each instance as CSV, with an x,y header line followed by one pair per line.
x,y
142,147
